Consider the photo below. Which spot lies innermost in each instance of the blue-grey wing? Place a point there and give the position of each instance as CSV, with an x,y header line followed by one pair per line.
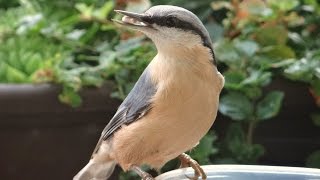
x,y
136,105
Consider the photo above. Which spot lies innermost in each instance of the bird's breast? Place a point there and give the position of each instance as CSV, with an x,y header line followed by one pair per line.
x,y
182,111
185,104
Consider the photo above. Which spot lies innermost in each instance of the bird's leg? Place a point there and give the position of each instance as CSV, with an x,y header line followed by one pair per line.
x,y
144,175
186,161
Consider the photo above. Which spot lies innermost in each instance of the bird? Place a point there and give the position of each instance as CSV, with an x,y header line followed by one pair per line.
x,y
172,105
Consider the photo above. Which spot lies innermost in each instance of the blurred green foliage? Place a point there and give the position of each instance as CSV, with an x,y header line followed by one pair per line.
x,y
68,43
74,44
263,40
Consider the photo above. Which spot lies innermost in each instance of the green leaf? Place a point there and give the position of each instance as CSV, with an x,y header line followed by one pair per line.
x,y
317,72
247,47
15,76
278,52
283,5
235,137
128,45
69,79
233,79
300,70
227,53
84,9
236,105
252,92
29,22
314,160
90,33
272,35
14,58
205,149
92,79
270,105
215,30
104,11
283,63
240,150
71,97
33,63
258,78
257,9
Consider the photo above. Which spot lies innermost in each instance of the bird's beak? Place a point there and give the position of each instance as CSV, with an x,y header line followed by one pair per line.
x,y
131,19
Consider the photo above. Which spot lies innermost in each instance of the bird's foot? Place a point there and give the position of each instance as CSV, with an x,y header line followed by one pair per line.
x,y
144,175
187,161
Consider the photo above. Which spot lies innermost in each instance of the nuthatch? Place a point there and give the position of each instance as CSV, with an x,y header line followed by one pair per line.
x,y
173,104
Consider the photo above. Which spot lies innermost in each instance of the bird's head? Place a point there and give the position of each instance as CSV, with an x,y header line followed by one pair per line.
x,y
168,27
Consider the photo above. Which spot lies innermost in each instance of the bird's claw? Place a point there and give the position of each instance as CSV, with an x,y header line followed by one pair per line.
x,y
144,175
148,177
187,161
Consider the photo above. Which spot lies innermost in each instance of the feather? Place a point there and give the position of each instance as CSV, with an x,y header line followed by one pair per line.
x,y
136,105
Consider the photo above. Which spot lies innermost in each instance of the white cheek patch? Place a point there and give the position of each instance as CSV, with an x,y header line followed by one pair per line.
x,y
187,38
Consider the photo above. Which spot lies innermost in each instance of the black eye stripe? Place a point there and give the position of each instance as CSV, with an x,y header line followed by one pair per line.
x,y
183,25
170,21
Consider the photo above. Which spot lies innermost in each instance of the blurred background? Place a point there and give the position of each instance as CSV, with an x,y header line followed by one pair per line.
x,y
65,67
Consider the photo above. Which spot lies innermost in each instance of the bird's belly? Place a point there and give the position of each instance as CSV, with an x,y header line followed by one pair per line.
x,y
169,129
182,129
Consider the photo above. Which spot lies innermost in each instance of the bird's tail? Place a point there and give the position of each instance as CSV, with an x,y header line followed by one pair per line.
x,y
96,171
99,167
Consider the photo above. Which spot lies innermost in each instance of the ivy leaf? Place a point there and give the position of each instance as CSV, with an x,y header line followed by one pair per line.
x,y
236,105
270,105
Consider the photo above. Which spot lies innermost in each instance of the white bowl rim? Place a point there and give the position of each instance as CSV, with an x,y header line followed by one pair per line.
x,y
244,168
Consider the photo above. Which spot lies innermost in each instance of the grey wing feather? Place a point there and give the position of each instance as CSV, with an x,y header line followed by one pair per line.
x,y
136,105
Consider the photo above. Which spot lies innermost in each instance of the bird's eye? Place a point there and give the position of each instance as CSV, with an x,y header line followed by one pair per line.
x,y
170,21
